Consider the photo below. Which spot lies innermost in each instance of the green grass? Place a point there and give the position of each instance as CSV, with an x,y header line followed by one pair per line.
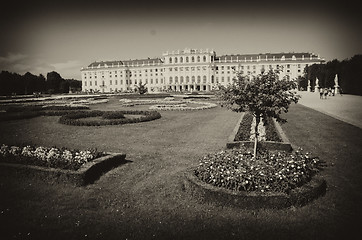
x,y
144,199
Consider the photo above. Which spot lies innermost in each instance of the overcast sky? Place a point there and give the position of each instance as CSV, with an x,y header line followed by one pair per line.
x,y
42,37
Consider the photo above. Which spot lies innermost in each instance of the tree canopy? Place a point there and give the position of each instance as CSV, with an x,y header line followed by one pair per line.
x,y
264,96
13,83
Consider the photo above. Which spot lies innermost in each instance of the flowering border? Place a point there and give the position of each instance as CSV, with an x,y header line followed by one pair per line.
x,y
86,174
207,193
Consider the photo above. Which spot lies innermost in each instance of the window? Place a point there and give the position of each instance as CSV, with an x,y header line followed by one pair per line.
x,y
187,79
170,60
198,58
175,68
192,59
170,80
170,69
198,79
116,82
85,83
175,59
90,83
110,82
181,79
204,58
181,60
193,79
204,79
176,79
187,59
95,83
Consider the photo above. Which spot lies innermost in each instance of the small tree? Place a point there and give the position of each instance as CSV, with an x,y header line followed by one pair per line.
x,y
263,96
141,88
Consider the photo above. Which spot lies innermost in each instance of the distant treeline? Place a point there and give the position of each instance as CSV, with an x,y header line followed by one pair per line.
x,y
16,84
349,75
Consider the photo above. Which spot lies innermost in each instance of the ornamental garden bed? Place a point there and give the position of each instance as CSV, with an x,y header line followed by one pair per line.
x,y
99,118
272,137
274,179
59,165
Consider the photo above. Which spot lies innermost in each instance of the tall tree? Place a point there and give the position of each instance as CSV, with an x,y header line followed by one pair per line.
x,y
264,96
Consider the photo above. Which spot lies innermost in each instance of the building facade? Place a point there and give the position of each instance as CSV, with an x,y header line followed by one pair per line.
x,y
189,70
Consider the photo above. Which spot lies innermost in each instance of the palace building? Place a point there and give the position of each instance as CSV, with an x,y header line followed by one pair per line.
x,y
189,70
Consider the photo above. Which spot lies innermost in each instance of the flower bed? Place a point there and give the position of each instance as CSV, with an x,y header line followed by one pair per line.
x,y
272,180
134,102
59,165
273,137
79,118
183,107
47,157
238,170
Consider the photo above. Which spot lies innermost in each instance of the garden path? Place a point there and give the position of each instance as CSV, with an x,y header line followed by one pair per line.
x,y
347,108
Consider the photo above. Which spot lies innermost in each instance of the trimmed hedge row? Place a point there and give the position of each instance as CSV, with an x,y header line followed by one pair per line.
x,y
243,133
76,118
33,108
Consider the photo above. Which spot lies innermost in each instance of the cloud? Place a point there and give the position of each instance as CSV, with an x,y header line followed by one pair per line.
x,y
21,63
68,69
12,58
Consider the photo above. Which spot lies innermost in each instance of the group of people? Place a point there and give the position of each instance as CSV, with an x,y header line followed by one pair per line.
x,y
324,92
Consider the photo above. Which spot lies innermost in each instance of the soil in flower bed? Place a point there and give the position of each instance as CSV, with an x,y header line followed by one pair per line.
x,y
270,171
243,133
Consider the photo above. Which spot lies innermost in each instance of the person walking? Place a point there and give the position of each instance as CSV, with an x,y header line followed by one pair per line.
x,y
325,92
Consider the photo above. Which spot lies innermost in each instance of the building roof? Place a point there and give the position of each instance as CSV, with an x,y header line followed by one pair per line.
x,y
266,56
147,61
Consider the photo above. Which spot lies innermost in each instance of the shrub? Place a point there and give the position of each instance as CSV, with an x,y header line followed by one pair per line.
x,y
243,133
273,171
76,118
113,115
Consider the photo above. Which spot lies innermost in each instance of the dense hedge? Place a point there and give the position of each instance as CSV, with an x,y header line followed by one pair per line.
x,y
271,132
243,133
34,108
77,118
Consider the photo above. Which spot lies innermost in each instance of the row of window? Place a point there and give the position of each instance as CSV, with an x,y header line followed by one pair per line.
x,y
126,81
187,68
181,59
204,79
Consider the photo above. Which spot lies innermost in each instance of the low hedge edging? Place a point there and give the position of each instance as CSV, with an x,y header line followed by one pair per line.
x,y
285,145
207,193
75,118
87,174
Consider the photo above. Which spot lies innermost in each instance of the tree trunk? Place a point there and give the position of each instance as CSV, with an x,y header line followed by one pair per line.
x,y
257,120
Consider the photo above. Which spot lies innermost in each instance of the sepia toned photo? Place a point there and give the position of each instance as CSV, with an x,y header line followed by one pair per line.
x,y
180,120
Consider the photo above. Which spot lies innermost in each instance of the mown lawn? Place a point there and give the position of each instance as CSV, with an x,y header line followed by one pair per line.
x,y
145,199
